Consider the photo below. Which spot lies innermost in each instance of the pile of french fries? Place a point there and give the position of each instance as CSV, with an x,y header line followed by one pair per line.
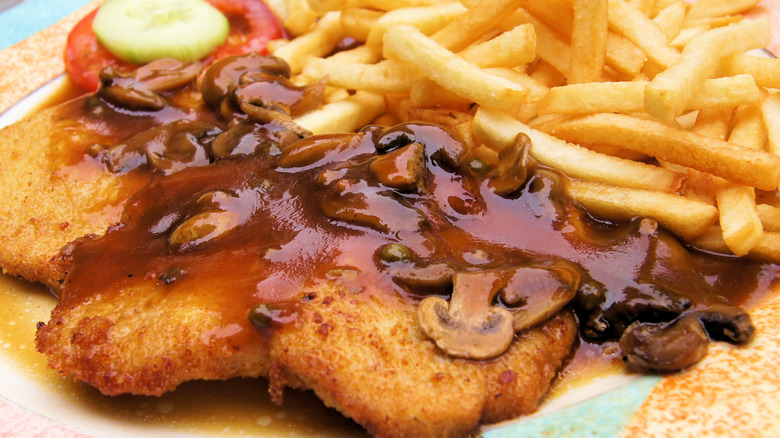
x,y
653,108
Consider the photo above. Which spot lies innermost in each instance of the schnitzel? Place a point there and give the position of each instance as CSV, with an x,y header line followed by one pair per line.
x,y
142,310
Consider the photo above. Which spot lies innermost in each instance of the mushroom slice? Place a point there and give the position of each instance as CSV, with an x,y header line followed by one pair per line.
x,y
167,73
126,92
433,277
203,227
726,323
539,293
642,302
225,75
355,202
469,326
402,168
515,165
212,218
311,151
665,347
167,148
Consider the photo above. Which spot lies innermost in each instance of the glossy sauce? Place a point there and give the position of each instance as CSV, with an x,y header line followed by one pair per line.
x,y
298,225
293,229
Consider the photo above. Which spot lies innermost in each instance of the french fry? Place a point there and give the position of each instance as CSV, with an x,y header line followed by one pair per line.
x,y
740,226
332,94
647,7
549,46
770,217
588,40
712,22
701,186
621,54
767,248
300,17
469,26
642,31
428,19
668,93
536,90
728,91
628,97
451,71
739,220
671,19
621,97
713,8
391,5
318,42
714,122
749,129
765,70
545,74
558,14
738,217
458,122
425,93
361,54
323,6
687,34
732,162
684,217
499,130
770,112
358,22
509,49
345,115
388,76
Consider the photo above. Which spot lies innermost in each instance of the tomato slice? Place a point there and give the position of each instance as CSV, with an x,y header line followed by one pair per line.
x,y
85,56
252,25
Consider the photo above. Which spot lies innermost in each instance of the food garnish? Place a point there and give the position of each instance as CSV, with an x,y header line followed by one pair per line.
x,y
141,31
251,26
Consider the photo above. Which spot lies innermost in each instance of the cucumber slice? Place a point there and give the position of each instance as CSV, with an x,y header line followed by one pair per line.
x,y
140,31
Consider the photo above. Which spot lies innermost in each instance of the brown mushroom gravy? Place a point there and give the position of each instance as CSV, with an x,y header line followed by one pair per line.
x,y
242,199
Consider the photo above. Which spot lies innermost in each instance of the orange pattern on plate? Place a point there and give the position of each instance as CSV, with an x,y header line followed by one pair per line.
x,y
732,392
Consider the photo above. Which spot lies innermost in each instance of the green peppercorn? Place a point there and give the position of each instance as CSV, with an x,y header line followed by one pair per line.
x,y
479,166
171,274
395,252
261,316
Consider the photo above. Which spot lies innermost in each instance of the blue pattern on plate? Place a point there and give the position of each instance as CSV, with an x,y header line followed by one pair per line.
x,y
605,416
32,16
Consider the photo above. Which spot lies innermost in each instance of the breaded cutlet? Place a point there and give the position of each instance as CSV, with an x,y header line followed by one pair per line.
x,y
364,357
45,204
368,360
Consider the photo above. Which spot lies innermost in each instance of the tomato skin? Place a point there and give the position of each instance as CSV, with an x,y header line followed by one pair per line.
x,y
85,56
252,25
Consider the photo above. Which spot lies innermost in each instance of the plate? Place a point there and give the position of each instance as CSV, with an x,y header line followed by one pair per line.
x,y
732,392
